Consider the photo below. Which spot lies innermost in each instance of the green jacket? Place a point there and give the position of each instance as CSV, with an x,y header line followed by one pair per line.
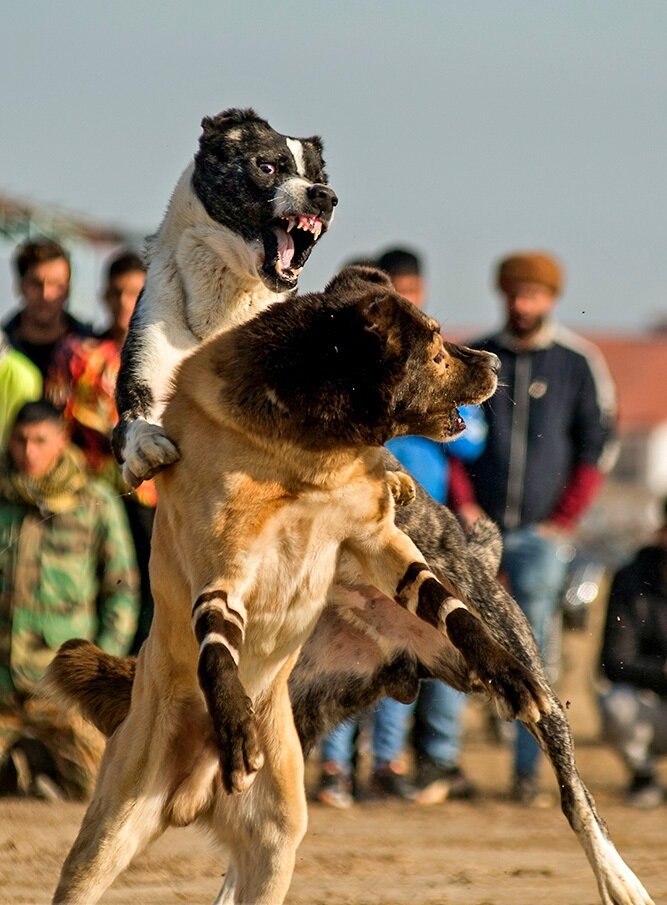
x,y
66,575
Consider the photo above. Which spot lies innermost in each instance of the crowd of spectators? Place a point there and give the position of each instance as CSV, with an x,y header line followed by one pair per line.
x,y
75,541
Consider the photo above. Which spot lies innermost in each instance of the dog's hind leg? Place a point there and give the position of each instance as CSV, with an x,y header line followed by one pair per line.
x,y
128,807
264,825
392,563
617,884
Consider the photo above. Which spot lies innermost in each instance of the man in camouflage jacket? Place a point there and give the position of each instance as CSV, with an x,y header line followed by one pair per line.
x,y
67,570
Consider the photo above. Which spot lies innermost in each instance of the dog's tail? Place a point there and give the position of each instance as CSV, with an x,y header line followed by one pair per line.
x,y
97,683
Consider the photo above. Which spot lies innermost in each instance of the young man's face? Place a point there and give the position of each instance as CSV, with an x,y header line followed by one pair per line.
x,y
411,287
527,305
121,297
37,448
44,290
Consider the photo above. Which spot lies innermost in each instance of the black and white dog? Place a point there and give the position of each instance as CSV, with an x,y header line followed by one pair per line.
x,y
241,223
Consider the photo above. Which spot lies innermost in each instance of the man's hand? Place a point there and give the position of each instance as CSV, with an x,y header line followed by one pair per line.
x,y
553,531
469,513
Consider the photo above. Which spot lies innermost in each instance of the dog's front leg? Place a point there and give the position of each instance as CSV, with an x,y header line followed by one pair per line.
x,y
219,620
392,563
149,361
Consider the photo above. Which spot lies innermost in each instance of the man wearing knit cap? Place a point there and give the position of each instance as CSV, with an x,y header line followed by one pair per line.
x,y
549,444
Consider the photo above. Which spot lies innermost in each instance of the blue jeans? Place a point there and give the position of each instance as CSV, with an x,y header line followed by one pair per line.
x,y
390,723
536,574
437,729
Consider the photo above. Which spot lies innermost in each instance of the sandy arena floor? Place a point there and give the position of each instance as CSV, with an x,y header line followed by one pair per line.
x,y
486,853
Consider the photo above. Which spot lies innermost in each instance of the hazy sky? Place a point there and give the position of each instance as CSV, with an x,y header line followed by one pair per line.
x,y
465,129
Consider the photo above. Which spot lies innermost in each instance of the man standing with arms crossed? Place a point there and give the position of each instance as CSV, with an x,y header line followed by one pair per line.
x,y
548,446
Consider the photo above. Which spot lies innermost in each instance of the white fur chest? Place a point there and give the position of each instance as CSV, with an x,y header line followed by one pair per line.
x,y
214,265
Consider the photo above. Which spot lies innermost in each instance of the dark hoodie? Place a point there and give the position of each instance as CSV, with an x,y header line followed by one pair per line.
x,y
634,648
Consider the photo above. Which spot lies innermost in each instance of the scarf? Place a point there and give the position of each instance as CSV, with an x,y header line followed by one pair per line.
x,y
56,492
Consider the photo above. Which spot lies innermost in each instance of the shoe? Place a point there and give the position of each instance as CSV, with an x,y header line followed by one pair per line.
x,y
335,787
389,782
22,769
526,792
47,789
644,793
435,783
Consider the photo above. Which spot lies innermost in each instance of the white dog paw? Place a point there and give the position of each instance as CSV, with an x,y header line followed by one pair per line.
x,y
147,450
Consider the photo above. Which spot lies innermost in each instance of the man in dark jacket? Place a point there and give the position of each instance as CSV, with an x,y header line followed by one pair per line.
x,y
633,699
42,270
549,430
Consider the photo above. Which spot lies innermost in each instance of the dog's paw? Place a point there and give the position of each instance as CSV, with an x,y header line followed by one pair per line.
x,y
147,450
402,487
516,693
239,750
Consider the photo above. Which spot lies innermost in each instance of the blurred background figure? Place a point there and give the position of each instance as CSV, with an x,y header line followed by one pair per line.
x,y
20,381
437,730
82,381
550,427
42,272
67,570
633,661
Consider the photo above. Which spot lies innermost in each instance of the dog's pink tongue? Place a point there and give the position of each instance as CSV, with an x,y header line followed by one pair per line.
x,y
285,247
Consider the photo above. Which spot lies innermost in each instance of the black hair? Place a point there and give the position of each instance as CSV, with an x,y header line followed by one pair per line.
x,y
125,262
37,251
36,412
400,262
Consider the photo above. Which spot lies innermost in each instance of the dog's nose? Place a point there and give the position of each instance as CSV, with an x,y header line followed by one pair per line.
x,y
323,196
494,363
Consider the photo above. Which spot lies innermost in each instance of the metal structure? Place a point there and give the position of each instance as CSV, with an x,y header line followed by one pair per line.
x,y
20,219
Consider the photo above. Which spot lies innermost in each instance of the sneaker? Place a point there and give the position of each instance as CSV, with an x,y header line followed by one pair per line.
x,y
435,783
526,792
47,789
335,787
22,769
389,782
645,793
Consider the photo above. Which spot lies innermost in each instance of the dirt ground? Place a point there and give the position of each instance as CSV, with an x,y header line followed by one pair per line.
x,y
489,852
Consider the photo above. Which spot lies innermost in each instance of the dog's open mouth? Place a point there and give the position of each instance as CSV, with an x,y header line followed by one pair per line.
x,y
458,424
287,244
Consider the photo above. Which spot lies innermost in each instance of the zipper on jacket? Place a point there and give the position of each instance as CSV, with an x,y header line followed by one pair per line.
x,y
518,441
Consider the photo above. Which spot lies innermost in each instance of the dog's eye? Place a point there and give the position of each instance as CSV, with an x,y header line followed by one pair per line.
x,y
267,168
438,358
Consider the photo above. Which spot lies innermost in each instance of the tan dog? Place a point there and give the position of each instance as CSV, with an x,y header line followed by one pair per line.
x,y
280,424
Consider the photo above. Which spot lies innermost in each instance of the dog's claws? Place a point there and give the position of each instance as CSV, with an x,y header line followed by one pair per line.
x,y
147,452
402,487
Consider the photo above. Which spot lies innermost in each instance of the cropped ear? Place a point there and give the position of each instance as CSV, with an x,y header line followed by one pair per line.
x,y
378,312
315,143
214,125
358,278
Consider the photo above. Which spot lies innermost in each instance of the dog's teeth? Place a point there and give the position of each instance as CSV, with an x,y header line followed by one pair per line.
x,y
317,230
290,224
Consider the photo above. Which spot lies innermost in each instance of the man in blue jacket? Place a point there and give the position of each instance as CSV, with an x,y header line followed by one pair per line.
x,y
437,731
549,444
